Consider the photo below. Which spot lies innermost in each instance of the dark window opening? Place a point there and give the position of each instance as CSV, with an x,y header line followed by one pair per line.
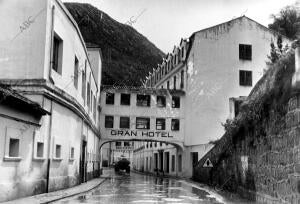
x,y
126,144
142,123
175,124
57,54
14,145
174,82
175,102
124,122
125,99
173,163
76,72
245,78
109,121
143,100
40,149
161,101
84,82
182,79
118,144
168,85
58,151
110,98
245,52
160,124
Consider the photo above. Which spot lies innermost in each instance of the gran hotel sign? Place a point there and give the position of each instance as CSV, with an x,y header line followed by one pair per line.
x,y
140,134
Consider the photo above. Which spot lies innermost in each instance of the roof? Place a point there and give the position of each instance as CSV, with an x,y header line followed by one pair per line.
x,y
92,45
238,18
142,90
10,97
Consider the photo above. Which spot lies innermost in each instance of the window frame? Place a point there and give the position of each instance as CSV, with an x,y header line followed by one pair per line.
x,y
245,78
245,51
107,98
163,104
147,123
141,102
175,104
122,101
76,72
57,54
128,122
173,126
162,125
109,119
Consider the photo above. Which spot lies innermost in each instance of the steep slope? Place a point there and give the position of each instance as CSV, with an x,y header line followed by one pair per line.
x,y
128,55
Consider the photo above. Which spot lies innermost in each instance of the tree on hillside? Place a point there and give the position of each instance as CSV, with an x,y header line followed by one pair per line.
x,y
287,22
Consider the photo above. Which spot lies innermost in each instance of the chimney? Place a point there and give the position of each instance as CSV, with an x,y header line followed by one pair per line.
x,y
296,77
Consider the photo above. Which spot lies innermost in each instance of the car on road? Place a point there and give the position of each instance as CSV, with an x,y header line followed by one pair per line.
x,y
122,165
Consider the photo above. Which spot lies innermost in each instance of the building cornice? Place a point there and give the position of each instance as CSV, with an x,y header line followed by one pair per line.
x,y
42,87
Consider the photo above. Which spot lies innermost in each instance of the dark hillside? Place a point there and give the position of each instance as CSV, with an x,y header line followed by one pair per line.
x,y
128,55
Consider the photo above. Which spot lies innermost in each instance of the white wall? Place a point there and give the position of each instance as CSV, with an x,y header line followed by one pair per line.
x,y
213,75
22,50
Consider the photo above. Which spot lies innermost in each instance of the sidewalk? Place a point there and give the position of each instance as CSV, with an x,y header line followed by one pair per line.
x,y
57,195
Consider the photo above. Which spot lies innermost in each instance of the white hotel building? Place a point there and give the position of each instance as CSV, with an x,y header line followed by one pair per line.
x,y
215,67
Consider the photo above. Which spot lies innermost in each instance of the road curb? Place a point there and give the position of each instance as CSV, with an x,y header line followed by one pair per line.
x,y
65,193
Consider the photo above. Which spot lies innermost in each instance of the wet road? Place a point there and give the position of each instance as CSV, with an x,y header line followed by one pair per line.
x,y
138,188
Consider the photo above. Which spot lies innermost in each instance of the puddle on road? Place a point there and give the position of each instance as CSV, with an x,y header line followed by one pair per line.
x,y
146,189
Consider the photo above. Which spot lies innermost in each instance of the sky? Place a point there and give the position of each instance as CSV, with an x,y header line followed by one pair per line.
x,y
165,22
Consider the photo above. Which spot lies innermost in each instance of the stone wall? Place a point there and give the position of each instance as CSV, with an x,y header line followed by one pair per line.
x,y
259,155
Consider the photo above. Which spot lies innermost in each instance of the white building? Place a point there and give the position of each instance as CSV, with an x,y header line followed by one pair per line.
x,y
44,57
146,116
213,65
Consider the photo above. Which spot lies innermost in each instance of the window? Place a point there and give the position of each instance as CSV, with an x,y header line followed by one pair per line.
x,y
57,54
143,100
57,151
126,144
110,98
125,99
175,102
245,78
161,101
124,122
155,144
142,123
84,82
95,108
118,144
174,82
150,144
40,150
162,87
175,124
168,85
14,146
173,163
160,143
72,153
160,124
88,99
76,73
180,163
182,79
245,52
109,121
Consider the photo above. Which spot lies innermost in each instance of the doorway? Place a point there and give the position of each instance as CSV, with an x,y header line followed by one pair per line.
x,y
167,162
82,163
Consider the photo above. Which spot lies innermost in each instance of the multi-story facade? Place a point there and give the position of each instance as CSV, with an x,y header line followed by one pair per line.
x,y
44,57
155,116
213,65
